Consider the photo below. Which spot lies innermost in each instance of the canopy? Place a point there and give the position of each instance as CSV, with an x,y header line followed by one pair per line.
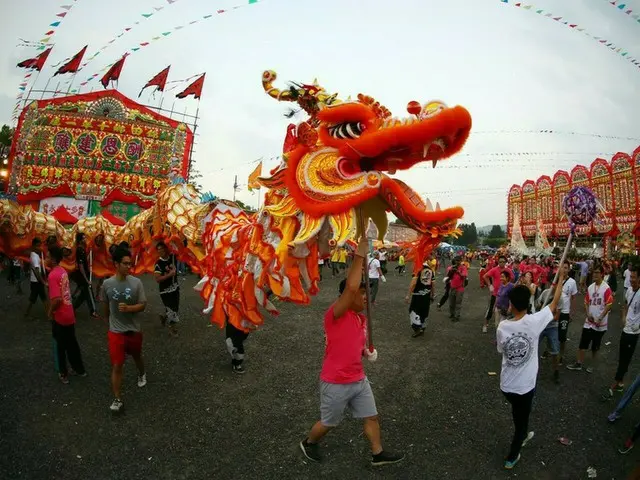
x,y
62,215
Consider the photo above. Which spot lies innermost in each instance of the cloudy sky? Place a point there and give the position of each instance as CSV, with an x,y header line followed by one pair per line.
x,y
512,69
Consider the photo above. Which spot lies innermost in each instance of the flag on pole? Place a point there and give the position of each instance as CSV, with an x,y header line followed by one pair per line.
x,y
113,74
72,65
194,89
253,178
159,81
36,63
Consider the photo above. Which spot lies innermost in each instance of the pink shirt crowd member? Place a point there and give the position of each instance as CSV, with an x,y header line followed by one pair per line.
x,y
495,273
345,339
59,288
457,281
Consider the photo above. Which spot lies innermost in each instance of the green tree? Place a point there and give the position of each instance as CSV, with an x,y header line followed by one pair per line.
x,y
6,135
496,232
469,235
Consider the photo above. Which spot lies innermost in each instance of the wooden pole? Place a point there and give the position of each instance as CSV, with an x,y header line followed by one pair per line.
x,y
24,104
363,231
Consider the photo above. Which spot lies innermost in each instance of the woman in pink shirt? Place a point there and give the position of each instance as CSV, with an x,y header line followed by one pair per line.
x,y
63,318
343,382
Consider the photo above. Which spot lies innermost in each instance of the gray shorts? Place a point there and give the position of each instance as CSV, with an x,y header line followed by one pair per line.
x,y
553,339
334,397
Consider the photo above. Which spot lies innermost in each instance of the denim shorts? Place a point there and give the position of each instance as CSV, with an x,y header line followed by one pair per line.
x,y
551,333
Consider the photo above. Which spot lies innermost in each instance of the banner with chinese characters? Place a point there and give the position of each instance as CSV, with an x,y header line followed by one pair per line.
x,y
95,144
615,183
77,208
118,209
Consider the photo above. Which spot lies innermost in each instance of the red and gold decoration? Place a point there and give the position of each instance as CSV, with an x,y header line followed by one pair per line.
x,y
97,146
335,170
615,184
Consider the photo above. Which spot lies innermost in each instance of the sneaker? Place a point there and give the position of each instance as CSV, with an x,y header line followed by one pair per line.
x,y
509,464
589,370
238,369
575,366
530,436
626,448
484,329
116,405
311,451
619,388
142,380
613,417
608,394
384,458
64,379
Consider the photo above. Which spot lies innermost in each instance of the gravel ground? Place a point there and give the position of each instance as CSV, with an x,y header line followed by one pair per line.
x,y
197,420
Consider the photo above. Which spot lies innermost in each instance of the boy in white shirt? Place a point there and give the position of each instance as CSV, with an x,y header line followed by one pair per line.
x,y
569,292
597,302
517,340
630,331
36,277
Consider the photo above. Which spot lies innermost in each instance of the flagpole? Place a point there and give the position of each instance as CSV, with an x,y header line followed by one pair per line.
x,y
235,187
31,89
193,141
55,92
71,82
45,88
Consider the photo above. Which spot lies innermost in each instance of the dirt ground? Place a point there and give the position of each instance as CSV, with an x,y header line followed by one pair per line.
x,y
197,420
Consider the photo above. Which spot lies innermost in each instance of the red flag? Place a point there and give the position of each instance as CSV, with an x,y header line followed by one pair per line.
x,y
113,74
72,65
36,63
194,89
159,81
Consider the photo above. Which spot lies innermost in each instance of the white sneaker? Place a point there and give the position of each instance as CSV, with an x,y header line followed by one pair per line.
x,y
142,380
484,329
116,405
528,439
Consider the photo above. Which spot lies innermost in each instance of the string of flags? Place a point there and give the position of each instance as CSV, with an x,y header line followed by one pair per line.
x,y
623,52
45,42
167,33
624,8
124,31
556,132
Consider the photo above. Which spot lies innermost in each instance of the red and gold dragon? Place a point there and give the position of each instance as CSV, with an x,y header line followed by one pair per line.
x,y
335,169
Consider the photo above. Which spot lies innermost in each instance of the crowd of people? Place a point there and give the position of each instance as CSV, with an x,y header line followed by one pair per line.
x,y
529,300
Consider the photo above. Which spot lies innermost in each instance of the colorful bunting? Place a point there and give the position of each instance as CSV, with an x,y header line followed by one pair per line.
x,y
623,8
624,53
176,28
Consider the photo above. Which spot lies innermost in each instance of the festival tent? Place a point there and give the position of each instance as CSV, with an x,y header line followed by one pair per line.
x,y
62,215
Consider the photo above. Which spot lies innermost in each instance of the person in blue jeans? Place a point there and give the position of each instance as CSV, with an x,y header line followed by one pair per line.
x,y
624,401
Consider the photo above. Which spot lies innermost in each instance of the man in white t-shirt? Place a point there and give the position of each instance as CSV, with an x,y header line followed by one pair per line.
x,y
36,277
569,292
375,275
517,340
597,302
627,277
630,332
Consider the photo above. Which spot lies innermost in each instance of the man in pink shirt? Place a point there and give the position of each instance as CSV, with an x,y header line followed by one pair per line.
x,y
492,277
63,318
343,382
458,279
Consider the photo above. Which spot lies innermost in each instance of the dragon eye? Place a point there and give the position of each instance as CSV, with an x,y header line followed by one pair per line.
x,y
348,130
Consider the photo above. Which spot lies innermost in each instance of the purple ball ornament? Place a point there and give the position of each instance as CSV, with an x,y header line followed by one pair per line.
x,y
581,206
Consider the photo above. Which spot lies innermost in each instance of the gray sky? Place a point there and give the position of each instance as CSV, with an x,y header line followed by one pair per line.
x,y
512,69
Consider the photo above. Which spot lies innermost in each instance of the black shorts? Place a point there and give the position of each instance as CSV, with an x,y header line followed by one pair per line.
x,y
37,290
590,336
563,327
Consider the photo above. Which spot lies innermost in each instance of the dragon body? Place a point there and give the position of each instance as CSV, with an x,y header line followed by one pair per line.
x,y
335,170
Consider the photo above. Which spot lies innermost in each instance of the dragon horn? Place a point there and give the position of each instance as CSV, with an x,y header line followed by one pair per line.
x,y
268,77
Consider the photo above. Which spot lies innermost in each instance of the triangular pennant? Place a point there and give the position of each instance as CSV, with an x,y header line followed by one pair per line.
x,y
557,18
147,15
166,33
624,54
539,11
127,29
179,27
527,7
45,40
155,38
157,9
54,24
221,11
518,4
207,16
621,7
135,49
49,33
22,88
62,14
66,7
144,44
573,25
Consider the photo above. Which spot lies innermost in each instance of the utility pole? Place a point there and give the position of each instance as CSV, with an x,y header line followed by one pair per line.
x,y
235,187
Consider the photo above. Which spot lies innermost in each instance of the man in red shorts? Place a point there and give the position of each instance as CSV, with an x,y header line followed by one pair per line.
x,y
123,297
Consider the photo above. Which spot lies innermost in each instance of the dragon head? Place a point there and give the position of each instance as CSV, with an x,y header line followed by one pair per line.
x,y
340,159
